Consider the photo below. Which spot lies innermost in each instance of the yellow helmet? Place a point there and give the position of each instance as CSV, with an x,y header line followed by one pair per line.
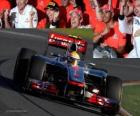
x,y
75,55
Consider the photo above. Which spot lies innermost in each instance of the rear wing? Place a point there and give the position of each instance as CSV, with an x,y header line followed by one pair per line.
x,y
64,41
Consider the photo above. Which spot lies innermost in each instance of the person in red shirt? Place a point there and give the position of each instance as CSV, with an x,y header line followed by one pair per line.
x,y
71,5
68,9
89,14
108,33
99,27
40,5
115,4
91,10
76,18
53,16
94,12
4,5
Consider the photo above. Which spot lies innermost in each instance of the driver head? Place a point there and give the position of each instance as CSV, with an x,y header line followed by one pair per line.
x,y
74,58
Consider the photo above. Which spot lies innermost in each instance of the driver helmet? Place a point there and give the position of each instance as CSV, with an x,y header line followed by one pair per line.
x,y
75,57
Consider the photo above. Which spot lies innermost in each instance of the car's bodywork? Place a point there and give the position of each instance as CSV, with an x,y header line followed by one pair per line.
x,y
84,83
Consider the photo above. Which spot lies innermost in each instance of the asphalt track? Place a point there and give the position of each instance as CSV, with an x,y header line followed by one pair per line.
x,y
13,103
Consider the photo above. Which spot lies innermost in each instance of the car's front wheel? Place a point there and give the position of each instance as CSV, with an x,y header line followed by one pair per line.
x,y
113,91
22,66
37,68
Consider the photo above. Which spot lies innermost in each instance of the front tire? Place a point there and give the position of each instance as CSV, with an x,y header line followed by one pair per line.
x,y
37,68
22,66
113,91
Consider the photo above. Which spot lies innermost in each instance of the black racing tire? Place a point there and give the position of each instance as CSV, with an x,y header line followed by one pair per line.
x,y
114,91
22,66
37,68
114,88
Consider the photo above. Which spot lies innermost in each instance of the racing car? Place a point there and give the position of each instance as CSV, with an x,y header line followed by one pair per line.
x,y
82,83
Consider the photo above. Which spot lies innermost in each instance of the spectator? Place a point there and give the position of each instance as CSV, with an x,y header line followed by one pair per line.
x,y
4,5
131,27
128,10
110,34
40,5
70,5
95,13
53,14
88,13
22,16
76,18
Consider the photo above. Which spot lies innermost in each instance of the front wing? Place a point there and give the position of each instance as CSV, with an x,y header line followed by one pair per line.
x,y
92,101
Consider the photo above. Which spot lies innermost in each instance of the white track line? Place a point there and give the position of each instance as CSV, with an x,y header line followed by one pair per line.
x,y
123,112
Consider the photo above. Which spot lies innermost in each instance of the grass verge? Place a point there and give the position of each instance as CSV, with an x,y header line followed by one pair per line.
x,y
131,99
83,33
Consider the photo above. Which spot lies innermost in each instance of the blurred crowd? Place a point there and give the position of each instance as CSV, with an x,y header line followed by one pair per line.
x,y
116,23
